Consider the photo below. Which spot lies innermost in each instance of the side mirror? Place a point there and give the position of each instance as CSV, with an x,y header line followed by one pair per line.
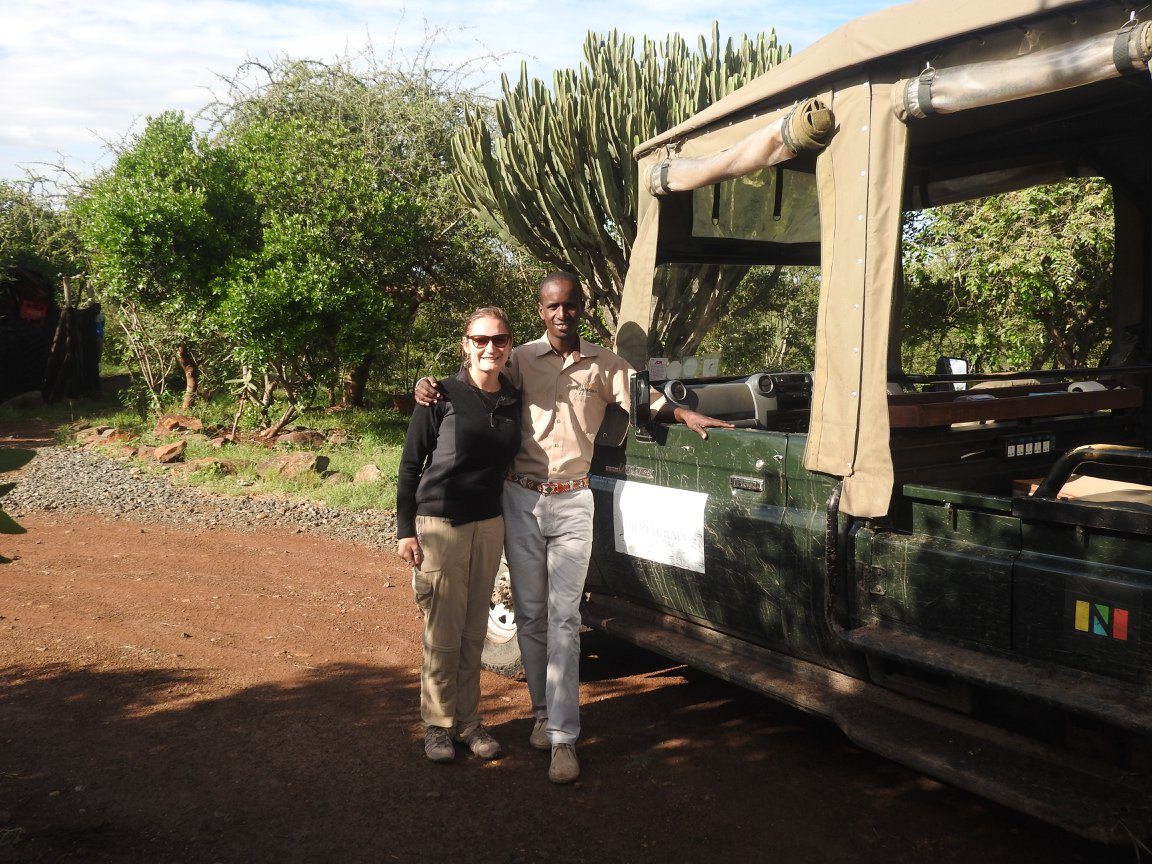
x,y
952,366
640,414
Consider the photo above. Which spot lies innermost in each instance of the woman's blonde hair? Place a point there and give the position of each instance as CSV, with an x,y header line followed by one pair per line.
x,y
486,312
483,312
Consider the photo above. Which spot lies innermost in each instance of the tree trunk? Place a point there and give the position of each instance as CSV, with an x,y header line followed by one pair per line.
x,y
354,381
191,374
276,428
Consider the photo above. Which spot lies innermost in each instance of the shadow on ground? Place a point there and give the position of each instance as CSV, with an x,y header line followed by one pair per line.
x,y
155,765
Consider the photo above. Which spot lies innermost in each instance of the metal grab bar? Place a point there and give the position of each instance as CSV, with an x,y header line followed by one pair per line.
x,y
1111,454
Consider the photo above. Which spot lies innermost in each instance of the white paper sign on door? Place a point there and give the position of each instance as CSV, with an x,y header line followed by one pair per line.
x,y
660,524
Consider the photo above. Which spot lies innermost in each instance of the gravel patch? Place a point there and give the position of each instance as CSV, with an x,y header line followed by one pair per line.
x,y
61,478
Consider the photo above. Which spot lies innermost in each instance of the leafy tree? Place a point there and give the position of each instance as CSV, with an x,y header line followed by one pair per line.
x,y
11,458
509,280
1020,280
769,322
301,235
161,229
33,234
552,170
349,163
340,265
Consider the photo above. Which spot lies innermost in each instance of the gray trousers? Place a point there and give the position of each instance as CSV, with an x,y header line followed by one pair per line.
x,y
548,543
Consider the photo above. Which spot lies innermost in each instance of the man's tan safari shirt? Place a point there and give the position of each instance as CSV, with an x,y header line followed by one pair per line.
x,y
564,400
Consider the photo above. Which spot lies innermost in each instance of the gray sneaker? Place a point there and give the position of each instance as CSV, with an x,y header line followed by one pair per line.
x,y
482,744
539,738
438,744
565,766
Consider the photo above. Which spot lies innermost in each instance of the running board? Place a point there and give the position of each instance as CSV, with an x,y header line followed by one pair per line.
x,y
1106,806
1113,702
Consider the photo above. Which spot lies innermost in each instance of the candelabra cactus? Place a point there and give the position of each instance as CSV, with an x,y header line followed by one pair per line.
x,y
551,169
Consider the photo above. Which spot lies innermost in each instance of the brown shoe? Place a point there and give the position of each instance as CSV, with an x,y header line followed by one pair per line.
x,y
565,766
539,738
482,744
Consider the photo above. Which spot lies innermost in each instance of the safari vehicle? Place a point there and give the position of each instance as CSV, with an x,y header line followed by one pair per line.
x,y
872,544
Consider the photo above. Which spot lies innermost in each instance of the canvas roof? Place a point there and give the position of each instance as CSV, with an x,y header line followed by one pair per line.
x,y
860,70
884,33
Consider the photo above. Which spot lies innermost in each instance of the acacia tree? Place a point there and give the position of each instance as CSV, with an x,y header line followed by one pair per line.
x,y
161,229
349,163
552,170
338,270
32,232
304,230
1020,280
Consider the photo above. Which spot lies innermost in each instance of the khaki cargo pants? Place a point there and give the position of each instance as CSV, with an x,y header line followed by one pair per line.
x,y
453,587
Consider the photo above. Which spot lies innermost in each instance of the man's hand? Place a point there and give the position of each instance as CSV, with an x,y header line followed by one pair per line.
x,y
426,393
408,548
699,423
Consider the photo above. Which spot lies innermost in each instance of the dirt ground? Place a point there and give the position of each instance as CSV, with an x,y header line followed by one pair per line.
x,y
172,695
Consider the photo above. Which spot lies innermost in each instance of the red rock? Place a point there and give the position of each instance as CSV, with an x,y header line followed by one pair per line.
x,y
294,464
116,436
179,423
166,454
368,474
302,438
90,435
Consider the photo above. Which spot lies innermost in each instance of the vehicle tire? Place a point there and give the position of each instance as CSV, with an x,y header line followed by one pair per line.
x,y
501,650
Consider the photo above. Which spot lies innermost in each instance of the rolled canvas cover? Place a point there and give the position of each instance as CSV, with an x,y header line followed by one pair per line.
x,y
806,127
636,304
884,33
860,176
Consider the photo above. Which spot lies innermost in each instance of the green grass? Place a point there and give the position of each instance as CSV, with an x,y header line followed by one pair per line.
x,y
374,436
345,459
105,408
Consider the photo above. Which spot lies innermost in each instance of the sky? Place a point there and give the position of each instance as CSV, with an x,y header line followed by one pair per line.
x,y
79,75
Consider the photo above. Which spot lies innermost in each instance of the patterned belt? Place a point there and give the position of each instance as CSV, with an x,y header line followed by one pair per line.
x,y
549,487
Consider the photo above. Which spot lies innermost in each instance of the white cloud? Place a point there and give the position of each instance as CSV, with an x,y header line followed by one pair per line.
x,y
76,72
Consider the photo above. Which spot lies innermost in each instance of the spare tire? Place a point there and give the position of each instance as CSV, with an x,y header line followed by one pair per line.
x,y
501,650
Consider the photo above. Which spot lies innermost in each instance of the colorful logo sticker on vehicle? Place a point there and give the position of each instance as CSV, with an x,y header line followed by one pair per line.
x,y
1101,619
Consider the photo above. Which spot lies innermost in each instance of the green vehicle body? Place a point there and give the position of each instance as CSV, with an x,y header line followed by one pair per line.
x,y
939,638
991,636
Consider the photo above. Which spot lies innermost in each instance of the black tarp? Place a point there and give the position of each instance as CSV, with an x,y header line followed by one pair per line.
x,y
28,320
44,347
73,367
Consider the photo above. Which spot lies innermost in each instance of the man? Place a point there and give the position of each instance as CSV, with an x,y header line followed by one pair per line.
x,y
566,386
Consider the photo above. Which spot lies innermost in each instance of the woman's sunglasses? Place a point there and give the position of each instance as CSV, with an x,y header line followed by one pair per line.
x,y
500,340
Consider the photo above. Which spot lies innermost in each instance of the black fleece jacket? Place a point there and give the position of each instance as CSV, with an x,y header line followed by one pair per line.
x,y
455,455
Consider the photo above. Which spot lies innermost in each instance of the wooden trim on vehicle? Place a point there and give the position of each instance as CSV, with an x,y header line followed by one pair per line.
x,y
922,410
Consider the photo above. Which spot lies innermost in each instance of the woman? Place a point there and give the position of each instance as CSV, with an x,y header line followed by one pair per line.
x,y
449,528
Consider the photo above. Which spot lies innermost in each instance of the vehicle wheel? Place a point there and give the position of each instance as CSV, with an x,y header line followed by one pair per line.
x,y
501,650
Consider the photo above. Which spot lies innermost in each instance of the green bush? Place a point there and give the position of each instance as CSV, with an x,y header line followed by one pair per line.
x,y
11,458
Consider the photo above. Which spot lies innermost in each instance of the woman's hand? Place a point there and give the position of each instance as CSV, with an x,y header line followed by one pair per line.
x,y
408,548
